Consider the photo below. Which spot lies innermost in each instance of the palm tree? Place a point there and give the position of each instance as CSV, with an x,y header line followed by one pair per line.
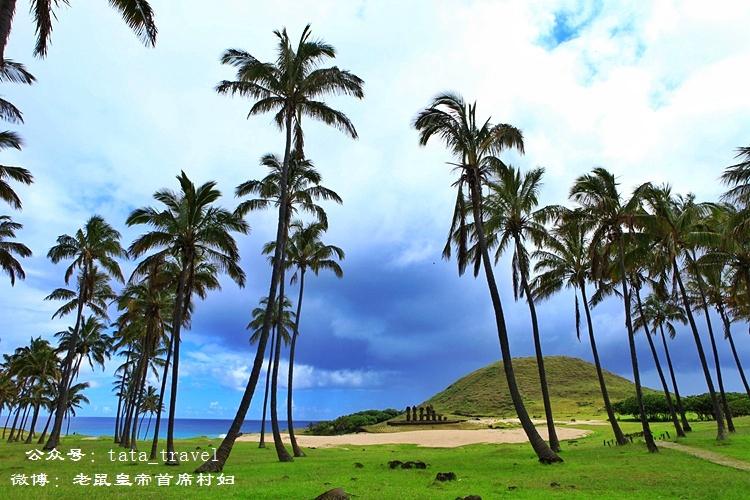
x,y
737,177
676,228
9,249
94,344
663,312
190,229
642,321
150,405
475,147
565,263
74,400
512,218
17,174
137,14
283,326
611,217
97,244
305,251
292,88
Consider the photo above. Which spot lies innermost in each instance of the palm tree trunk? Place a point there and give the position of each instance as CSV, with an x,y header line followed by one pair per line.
x,y
67,429
15,422
176,326
33,424
290,424
554,442
715,351
119,400
160,406
262,443
7,10
647,436
22,426
543,451
137,406
46,426
7,419
281,450
62,395
225,448
721,432
657,363
728,335
619,436
685,424
148,425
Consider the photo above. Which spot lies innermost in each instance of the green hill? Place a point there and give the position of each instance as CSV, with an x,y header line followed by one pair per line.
x,y
573,385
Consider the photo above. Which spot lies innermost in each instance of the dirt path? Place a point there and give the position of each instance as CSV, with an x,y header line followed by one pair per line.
x,y
707,455
447,438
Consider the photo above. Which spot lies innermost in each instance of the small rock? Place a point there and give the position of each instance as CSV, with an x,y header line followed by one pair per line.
x,y
394,463
358,465
445,476
511,488
554,484
469,497
334,494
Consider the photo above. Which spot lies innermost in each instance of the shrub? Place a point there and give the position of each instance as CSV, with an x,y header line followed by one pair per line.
x,y
351,423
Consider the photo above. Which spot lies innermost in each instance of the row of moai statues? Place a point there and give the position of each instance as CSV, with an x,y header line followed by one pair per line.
x,y
423,414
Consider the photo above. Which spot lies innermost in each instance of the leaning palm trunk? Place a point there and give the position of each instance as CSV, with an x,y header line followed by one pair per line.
x,y
685,424
543,451
46,427
162,390
715,351
262,443
721,432
177,316
290,424
120,398
619,436
33,424
657,363
225,448
62,393
281,451
554,442
647,436
728,335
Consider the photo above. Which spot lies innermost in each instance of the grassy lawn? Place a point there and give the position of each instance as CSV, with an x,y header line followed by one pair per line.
x,y
492,471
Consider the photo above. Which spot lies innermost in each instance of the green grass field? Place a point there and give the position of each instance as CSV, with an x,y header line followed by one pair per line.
x,y
492,471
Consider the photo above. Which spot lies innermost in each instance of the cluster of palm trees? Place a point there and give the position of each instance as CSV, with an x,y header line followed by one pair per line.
x,y
668,258
188,242
690,258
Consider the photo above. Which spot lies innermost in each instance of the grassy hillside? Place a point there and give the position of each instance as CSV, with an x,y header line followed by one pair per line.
x,y
574,390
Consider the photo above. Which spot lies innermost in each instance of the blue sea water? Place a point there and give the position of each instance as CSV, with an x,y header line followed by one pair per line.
x,y
183,427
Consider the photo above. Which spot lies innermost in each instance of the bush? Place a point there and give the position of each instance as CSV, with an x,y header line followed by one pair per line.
x,y
656,407
351,423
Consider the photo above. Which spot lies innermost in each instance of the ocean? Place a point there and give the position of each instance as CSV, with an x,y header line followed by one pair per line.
x,y
183,427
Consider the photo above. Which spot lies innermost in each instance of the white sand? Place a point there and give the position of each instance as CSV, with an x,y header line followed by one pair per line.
x,y
443,438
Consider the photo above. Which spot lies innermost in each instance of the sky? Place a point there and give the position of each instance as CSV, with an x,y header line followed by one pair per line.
x,y
653,91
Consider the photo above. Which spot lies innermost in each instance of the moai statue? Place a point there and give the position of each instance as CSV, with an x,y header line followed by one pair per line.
x,y
408,413
434,415
414,413
421,413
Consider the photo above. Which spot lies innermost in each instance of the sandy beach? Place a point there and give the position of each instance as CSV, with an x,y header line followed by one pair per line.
x,y
448,438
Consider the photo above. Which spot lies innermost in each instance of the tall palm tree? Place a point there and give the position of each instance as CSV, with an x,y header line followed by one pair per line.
x,y
283,328
512,219
137,14
150,405
94,344
612,217
675,227
565,263
663,312
305,251
10,249
475,146
96,245
292,87
74,400
189,229
737,177
642,321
